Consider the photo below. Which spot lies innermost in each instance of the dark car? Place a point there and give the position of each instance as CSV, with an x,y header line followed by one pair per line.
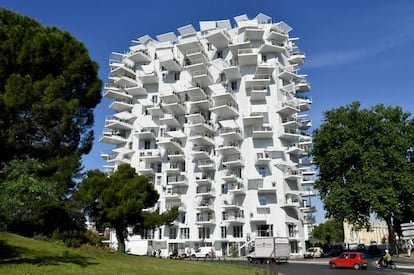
x,y
350,259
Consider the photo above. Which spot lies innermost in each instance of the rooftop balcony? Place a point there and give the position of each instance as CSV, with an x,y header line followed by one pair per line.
x,y
117,94
150,155
262,131
114,137
247,57
231,161
219,38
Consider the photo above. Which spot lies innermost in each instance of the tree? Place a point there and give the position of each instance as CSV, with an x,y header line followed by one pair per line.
x,y
119,201
365,162
48,89
330,232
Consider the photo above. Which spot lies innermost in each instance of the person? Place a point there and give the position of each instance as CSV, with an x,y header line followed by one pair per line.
x,y
387,258
409,247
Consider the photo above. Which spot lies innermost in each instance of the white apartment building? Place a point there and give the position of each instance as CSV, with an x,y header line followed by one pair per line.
x,y
216,119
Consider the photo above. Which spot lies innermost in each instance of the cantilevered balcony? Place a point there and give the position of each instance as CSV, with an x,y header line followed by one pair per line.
x,y
262,80
147,74
297,58
197,104
231,161
236,188
258,93
150,155
169,62
146,170
233,217
121,105
232,70
290,122
203,77
114,136
206,179
288,108
123,81
302,85
203,127
205,205
291,202
170,143
206,164
304,121
308,209
262,158
155,110
247,57
293,175
189,44
138,54
262,131
176,155
170,120
303,103
228,133
253,118
253,34
276,34
177,180
196,65
112,122
137,90
290,134
146,133
201,138
205,218
174,168
288,73
295,149
120,69
229,148
219,38
121,156
272,47
205,191
224,109
231,176
173,193
200,152
195,118
171,102
192,92
116,93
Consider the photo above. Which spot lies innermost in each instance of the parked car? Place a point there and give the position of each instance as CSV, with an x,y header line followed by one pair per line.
x,y
350,259
204,252
313,252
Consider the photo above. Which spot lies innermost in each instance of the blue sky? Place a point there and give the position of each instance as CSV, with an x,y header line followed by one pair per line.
x,y
356,50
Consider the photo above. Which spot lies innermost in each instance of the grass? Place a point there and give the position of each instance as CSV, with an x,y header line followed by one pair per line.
x,y
23,256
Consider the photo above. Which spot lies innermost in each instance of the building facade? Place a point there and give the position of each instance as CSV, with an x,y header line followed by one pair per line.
x,y
217,120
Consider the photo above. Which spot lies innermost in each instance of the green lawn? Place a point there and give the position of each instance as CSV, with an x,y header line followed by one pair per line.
x,y
23,256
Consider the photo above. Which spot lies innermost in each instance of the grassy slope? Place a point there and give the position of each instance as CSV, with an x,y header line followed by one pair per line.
x,y
23,256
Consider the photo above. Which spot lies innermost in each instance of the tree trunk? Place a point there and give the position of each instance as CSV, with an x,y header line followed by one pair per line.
x,y
120,236
391,235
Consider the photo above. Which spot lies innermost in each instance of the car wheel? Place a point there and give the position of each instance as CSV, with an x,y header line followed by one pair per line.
x,y
249,259
356,266
333,266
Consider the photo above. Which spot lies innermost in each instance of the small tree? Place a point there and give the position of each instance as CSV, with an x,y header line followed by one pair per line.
x,y
330,232
118,201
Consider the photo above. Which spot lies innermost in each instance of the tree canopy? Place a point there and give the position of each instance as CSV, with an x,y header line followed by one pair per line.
x,y
119,201
365,161
49,87
329,232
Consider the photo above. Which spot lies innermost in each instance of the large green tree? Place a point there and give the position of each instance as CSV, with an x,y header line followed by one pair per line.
x,y
49,87
365,162
119,201
329,232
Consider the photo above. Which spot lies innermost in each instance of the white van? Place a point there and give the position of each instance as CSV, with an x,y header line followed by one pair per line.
x,y
204,252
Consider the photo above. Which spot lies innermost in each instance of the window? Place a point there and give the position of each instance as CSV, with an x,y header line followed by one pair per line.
x,y
262,171
234,85
155,99
264,58
238,231
292,230
159,168
223,232
204,233
224,188
173,233
177,76
159,233
148,234
185,233
262,200
147,144
294,247
219,54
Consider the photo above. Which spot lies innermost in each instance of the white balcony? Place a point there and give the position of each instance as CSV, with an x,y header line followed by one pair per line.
x,y
247,57
232,72
170,143
230,176
175,155
121,105
232,161
173,194
120,69
178,180
205,219
147,76
150,155
303,85
258,93
225,110
234,134
262,80
229,149
199,104
219,38
123,81
112,122
174,168
138,90
114,137
252,34
290,134
272,47
288,109
195,118
205,191
201,138
236,188
290,122
291,202
193,66
277,35
205,205
262,131
263,158
253,118
169,62
138,55
170,120
203,78
288,73
233,218
155,110
201,152
188,44
206,164
305,122
308,209
297,58
304,103
193,92
117,94
203,127
146,171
